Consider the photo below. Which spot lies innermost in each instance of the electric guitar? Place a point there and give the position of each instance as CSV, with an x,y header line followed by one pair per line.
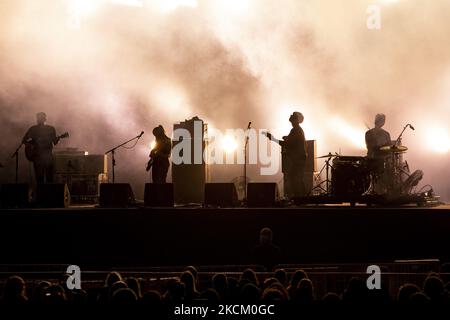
x,y
31,150
151,160
149,164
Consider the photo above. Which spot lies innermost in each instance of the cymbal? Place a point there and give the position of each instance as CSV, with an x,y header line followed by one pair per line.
x,y
330,155
394,149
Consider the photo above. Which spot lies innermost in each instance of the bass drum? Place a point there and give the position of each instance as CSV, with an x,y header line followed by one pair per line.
x,y
350,177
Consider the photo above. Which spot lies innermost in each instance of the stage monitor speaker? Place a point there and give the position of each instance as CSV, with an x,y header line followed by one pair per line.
x,y
158,195
53,195
220,195
262,194
116,195
15,195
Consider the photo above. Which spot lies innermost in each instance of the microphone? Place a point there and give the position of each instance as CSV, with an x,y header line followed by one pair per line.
x,y
249,125
411,126
142,133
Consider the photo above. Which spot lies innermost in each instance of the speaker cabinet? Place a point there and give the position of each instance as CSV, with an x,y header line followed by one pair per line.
x,y
158,195
15,195
311,159
262,195
53,195
220,195
116,195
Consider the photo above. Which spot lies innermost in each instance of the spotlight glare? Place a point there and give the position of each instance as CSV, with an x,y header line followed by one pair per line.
x,y
352,134
438,140
229,143
82,7
167,6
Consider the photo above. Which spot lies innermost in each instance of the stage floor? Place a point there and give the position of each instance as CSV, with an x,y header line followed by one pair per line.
x,y
108,237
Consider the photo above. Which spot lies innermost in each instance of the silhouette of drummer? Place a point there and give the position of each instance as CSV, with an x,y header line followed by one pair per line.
x,y
378,161
377,138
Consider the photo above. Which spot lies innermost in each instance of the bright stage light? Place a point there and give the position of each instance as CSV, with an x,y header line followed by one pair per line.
x,y
229,143
129,3
170,5
438,140
389,1
153,145
234,6
354,135
82,7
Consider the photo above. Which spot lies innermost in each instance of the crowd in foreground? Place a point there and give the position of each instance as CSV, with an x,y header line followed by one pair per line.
x,y
297,289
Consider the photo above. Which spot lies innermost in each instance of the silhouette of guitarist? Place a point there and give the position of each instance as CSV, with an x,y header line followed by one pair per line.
x,y
294,157
39,141
159,156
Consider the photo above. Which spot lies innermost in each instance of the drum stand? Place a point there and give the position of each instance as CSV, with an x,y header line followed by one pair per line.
x,y
326,167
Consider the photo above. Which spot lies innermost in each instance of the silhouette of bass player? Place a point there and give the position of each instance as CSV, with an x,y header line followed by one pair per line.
x,y
159,155
39,141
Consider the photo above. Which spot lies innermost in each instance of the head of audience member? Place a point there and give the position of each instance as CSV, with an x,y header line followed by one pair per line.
x,y
189,285
406,291
249,276
55,295
210,295
39,291
304,293
193,270
14,290
265,236
433,287
112,278
124,296
116,286
175,291
356,291
281,275
269,282
151,298
419,299
220,284
134,285
297,277
272,295
250,293
331,299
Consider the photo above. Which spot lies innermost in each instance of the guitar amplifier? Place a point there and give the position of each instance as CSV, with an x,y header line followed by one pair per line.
x,y
81,172
80,164
311,159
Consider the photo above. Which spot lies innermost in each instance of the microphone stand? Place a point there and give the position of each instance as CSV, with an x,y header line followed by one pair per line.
x,y
400,136
16,155
113,151
245,163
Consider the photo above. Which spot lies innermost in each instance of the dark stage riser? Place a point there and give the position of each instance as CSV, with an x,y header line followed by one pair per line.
x,y
162,237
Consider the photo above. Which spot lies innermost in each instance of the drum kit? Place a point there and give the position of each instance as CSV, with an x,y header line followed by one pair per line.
x,y
352,177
